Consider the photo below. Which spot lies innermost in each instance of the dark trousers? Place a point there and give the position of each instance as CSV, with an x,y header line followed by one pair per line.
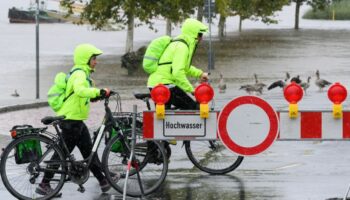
x,y
75,133
181,100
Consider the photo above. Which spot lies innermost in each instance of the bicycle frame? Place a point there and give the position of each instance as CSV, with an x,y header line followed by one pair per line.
x,y
107,122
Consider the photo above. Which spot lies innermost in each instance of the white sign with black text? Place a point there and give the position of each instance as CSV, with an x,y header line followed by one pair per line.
x,y
182,126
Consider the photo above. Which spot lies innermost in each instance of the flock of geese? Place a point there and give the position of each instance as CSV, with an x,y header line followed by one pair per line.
x,y
258,86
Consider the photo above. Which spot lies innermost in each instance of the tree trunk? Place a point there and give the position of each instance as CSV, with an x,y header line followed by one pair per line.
x,y
297,11
240,24
168,27
221,27
200,13
130,34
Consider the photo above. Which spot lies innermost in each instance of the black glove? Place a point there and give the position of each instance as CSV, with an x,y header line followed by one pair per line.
x,y
95,99
105,93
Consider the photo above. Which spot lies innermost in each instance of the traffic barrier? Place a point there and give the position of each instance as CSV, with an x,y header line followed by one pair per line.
x,y
248,125
319,125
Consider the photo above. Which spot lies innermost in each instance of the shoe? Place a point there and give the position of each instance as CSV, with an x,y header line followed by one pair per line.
x,y
45,189
104,184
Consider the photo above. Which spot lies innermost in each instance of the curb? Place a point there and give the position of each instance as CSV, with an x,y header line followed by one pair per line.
x,y
23,106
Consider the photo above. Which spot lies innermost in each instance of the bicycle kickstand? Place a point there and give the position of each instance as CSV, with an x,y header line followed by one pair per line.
x,y
81,188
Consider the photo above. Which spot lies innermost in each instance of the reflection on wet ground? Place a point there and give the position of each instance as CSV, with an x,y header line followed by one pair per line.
x,y
197,186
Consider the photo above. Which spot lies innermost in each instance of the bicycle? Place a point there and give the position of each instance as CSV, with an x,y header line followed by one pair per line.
x,y
22,172
208,156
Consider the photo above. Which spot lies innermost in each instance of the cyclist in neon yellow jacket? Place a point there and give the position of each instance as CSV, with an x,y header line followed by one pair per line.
x,y
175,65
77,106
76,109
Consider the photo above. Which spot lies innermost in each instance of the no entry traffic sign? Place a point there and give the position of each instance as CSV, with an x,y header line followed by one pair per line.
x,y
248,125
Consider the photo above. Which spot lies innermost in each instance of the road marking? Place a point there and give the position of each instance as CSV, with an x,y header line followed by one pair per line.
x,y
288,166
183,173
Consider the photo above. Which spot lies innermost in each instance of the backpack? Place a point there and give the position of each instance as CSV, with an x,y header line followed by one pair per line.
x,y
56,95
155,51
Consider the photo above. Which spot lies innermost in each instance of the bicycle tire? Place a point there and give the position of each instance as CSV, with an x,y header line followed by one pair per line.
x,y
216,161
140,146
28,167
152,175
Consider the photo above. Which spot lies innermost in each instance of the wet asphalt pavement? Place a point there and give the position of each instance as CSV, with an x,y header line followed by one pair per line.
x,y
288,171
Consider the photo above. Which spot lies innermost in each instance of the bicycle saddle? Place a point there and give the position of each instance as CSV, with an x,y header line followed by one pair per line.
x,y
142,96
49,119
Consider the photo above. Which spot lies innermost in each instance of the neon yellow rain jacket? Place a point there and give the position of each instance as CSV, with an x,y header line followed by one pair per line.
x,y
180,56
77,106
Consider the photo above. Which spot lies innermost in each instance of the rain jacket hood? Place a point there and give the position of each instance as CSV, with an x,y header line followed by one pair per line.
x,y
82,55
192,27
79,84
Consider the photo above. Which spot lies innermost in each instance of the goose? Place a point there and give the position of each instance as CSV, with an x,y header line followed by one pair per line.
x,y
222,84
306,85
15,94
259,89
321,83
296,79
248,88
258,85
279,83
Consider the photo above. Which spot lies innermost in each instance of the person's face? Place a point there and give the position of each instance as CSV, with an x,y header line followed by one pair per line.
x,y
199,37
93,62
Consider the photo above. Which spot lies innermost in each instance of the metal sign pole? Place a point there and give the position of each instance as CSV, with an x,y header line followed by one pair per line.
x,y
37,48
210,50
133,141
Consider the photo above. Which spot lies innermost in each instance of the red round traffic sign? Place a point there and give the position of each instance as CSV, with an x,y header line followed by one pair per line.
x,y
248,125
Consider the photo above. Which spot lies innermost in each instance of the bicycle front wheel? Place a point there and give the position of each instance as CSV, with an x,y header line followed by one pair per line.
x,y
212,157
148,170
24,162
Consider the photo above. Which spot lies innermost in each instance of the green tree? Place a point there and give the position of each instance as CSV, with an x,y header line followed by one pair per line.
x,y
101,12
256,10
316,4
223,8
175,11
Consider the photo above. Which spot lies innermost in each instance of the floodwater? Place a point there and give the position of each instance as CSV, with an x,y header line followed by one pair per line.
x,y
267,50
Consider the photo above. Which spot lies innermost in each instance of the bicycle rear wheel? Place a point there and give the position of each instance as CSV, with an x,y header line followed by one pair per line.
x,y
150,165
21,178
212,157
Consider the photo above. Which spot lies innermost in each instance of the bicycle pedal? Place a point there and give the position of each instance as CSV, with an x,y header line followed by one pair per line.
x,y
172,142
81,189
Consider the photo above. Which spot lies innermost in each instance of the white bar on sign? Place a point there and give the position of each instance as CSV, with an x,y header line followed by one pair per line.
x,y
289,128
184,125
331,128
181,126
